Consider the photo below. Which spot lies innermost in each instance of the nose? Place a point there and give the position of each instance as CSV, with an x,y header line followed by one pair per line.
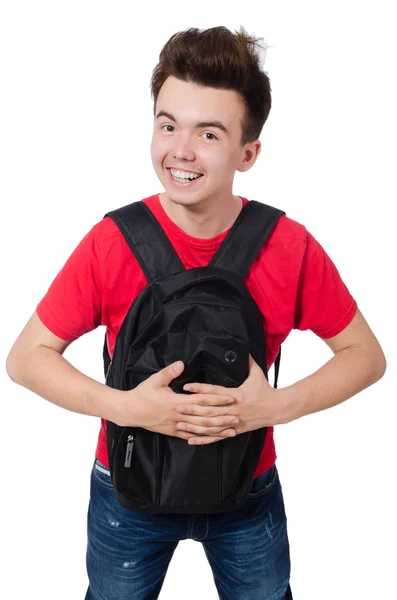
x,y
182,148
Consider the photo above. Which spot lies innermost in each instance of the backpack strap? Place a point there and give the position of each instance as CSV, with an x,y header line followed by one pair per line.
x,y
244,241
255,223
277,368
147,240
149,244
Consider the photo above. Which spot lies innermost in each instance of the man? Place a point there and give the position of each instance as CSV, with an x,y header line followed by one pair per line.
x,y
211,100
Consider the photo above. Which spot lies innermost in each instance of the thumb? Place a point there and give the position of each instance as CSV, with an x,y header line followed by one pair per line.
x,y
251,363
255,370
171,372
253,367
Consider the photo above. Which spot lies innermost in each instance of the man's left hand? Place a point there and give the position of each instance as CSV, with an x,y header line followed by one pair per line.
x,y
256,404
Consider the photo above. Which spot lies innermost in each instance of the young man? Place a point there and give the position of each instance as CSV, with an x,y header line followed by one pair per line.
x,y
211,100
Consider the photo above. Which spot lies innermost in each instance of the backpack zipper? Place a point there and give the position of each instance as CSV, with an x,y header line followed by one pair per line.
x,y
128,452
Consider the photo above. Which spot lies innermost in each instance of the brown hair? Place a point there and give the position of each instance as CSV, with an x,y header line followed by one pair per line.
x,y
218,58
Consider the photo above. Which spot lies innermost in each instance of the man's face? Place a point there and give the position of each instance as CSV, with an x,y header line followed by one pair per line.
x,y
199,133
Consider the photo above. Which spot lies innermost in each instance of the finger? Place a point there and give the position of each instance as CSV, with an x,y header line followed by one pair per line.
x,y
203,440
166,375
205,388
222,421
221,433
207,399
185,435
206,411
253,365
200,430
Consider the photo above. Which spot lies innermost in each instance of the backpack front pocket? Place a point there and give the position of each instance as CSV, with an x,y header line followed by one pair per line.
x,y
136,464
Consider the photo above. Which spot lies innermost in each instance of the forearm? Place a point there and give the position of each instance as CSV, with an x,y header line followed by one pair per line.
x,y
48,374
347,373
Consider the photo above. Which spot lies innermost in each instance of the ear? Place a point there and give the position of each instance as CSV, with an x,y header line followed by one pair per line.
x,y
250,154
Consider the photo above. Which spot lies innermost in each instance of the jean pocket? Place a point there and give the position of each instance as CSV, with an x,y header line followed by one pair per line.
x,y
262,484
102,474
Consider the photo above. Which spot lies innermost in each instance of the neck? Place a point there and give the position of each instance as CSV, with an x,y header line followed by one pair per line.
x,y
206,220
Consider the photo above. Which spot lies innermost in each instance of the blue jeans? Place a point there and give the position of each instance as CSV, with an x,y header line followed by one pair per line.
x,y
128,553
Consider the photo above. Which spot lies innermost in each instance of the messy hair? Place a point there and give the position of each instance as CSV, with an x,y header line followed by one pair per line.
x,y
219,58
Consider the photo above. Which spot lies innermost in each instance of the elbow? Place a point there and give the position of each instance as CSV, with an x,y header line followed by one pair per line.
x,y
10,369
382,366
378,364
13,368
372,363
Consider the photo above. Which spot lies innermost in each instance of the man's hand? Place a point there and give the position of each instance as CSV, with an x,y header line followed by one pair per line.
x,y
256,404
152,405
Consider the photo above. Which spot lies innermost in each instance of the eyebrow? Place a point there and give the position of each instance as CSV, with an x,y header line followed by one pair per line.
x,y
217,124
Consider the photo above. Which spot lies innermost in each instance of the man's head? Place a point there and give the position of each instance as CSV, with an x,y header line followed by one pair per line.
x,y
211,100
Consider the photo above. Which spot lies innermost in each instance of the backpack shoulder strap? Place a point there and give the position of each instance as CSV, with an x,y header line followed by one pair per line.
x,y
277,368
250,231
244,241
147,240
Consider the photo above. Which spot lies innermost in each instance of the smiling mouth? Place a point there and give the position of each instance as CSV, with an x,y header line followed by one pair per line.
x,y
184,180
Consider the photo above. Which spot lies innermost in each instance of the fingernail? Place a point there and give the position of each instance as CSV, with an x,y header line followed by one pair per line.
x,y
234,421
177,366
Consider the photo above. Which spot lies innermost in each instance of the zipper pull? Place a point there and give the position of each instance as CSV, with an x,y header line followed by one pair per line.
x,y
128,454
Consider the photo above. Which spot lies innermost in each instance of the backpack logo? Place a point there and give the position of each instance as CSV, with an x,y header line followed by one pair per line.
x,y
230,356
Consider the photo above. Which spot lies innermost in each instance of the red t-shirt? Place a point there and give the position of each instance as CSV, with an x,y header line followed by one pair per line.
x,y
293,281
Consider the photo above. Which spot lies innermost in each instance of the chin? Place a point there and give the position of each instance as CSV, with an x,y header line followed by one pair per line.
x,y
184,201
181,198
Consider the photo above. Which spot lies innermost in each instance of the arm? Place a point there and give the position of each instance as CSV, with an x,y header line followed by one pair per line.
x,y
322,301
358,362
35,361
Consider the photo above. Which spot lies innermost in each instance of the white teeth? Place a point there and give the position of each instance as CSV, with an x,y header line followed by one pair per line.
x,y
184,175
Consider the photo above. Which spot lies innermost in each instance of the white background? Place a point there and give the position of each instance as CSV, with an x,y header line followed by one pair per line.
x,y
76,122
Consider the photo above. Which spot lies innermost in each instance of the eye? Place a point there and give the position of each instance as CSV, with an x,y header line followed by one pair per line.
x,y
209,133
172,128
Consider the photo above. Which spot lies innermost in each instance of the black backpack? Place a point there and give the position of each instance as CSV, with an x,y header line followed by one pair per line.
x,y
207,318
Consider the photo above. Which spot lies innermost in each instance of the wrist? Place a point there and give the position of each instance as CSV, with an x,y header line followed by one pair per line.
x,y
112,405
291,406
284,408
123,409
116,407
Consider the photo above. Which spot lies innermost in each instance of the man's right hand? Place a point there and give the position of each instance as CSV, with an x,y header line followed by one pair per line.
x,y
152,405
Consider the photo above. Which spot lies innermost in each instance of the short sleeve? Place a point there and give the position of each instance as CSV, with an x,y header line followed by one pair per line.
x,y
72,305
324,304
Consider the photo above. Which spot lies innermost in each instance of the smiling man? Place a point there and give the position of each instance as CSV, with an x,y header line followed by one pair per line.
x,y
211,100
199,176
